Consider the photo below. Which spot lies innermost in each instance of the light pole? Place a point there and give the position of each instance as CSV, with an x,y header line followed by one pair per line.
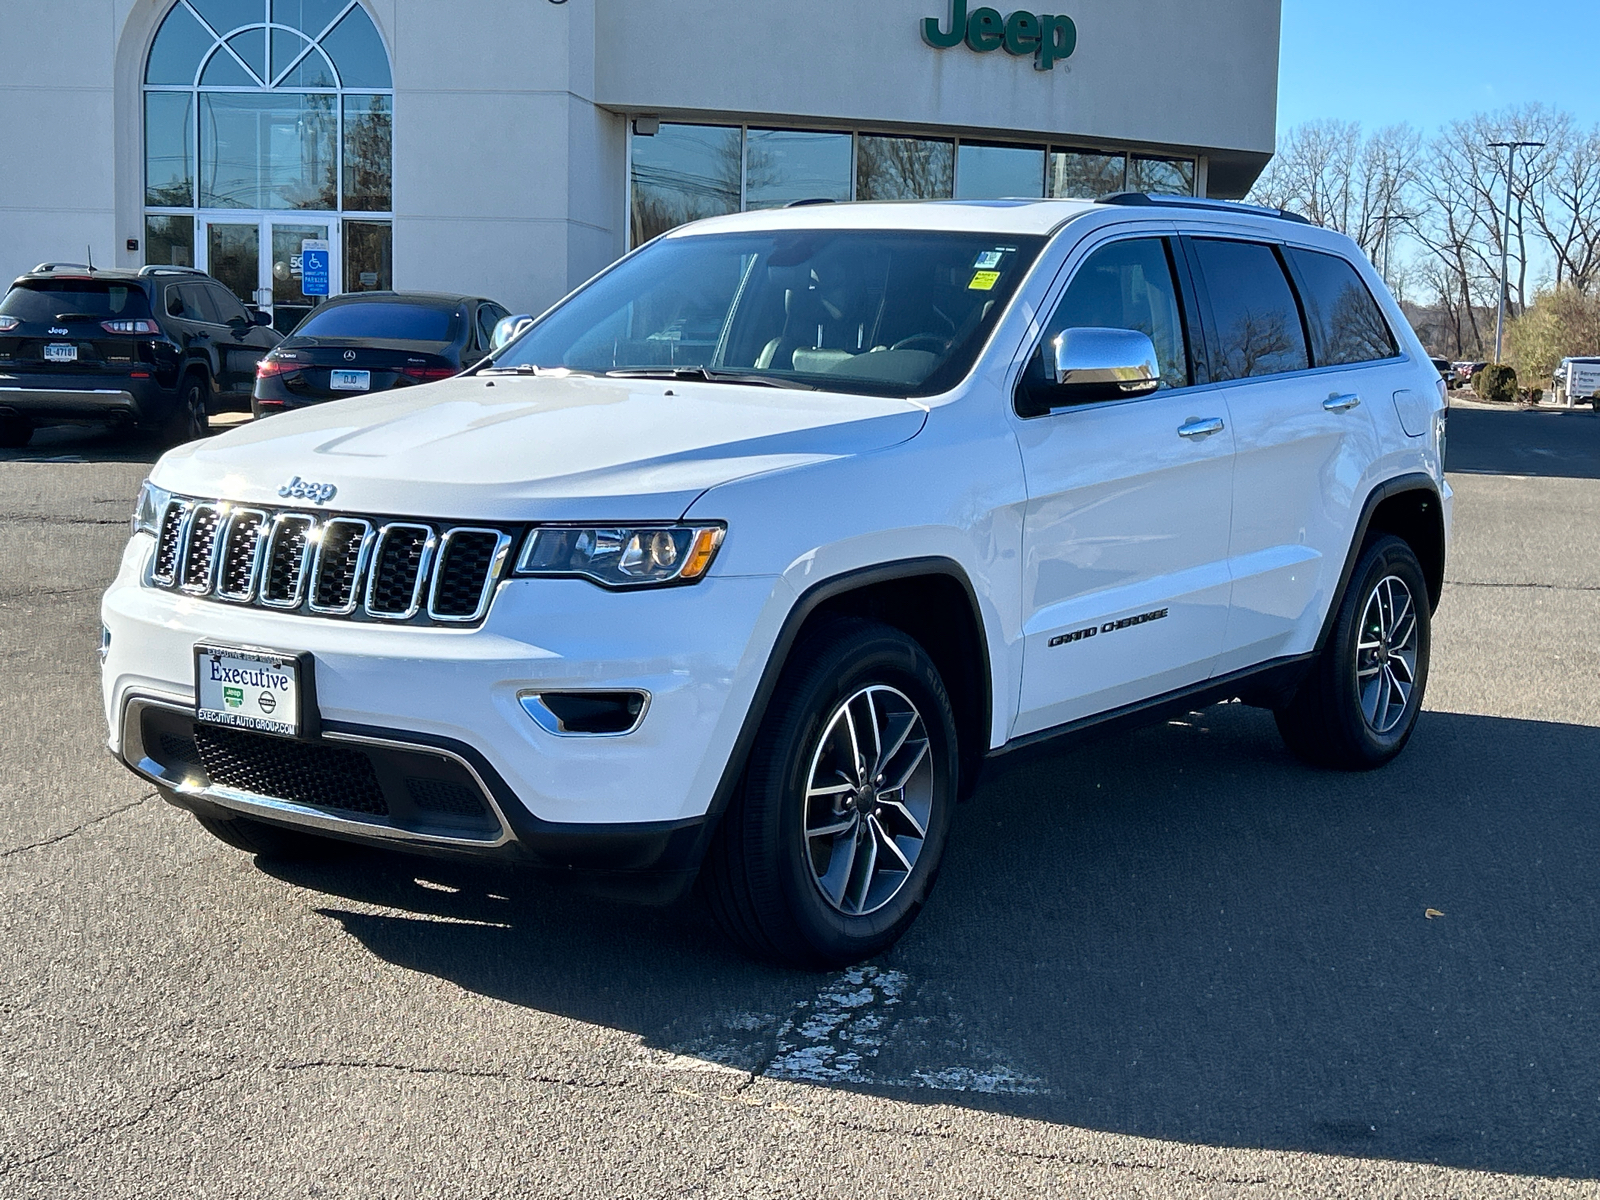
x,y
1511,149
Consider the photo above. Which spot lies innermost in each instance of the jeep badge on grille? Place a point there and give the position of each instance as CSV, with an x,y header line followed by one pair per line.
x,y
299,489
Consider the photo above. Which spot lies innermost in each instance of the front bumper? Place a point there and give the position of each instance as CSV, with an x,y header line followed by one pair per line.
x,y
629,802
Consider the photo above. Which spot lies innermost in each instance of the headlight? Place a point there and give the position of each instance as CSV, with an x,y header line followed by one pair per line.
x,y
147,512
622,556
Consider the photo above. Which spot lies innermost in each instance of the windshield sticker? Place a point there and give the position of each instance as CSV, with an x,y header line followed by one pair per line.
x,y
988,260
983,281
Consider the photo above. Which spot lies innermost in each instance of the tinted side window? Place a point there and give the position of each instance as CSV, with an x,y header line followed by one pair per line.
x,y
1254,314
226,304
1129,285
186,301
1347,326
487,316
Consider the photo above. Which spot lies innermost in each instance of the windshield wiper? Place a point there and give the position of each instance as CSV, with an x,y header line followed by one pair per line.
x,y
710,375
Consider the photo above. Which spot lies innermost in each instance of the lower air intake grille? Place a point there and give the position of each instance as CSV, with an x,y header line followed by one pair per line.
x,y
320,776
444,796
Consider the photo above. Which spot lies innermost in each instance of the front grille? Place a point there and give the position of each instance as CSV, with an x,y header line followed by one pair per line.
x,y
332,566
340,558
300,772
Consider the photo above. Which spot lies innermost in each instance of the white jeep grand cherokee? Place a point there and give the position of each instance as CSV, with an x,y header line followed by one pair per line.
x,y
741,560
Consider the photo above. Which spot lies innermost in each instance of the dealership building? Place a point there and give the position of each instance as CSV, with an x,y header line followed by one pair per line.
x,y
512,148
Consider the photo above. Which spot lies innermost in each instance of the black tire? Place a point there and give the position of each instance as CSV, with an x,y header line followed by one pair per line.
x,y
761,877
1328,723
269,841
15,432
189,420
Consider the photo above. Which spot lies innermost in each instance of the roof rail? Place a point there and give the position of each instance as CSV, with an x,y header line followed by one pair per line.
x,y
46,267
164,269
1144,200
808,202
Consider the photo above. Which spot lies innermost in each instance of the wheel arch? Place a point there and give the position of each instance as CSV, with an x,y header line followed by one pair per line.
x,y
1410,508
930,599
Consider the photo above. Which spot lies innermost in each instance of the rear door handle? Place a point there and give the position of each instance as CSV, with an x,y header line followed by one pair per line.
x,y
1199,427
1337,403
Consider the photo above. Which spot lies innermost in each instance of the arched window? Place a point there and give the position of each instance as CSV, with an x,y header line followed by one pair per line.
x,y
265,107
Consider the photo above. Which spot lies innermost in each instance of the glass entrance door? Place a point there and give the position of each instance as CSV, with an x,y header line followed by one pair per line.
x,y
258,258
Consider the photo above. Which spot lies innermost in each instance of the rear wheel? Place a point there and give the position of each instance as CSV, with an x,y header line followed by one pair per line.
x,y
15,432
1358,706
832,845
189,420
269,841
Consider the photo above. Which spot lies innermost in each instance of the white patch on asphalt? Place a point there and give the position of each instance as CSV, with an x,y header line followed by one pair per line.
x,y
837,1036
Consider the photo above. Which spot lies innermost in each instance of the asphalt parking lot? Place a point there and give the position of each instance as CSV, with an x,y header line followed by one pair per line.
x,y
1170,963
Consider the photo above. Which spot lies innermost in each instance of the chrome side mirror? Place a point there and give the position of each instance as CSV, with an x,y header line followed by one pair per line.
x,y
508,330
1103,362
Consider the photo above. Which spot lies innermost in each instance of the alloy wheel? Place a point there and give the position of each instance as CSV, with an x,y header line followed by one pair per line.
x,y
869,799
1386,654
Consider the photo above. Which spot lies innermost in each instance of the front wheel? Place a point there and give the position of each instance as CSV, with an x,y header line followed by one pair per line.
x,y
1357,707
832,845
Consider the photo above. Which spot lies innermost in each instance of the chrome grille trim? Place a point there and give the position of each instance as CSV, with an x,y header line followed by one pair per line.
x,y
225,542
357,567
169,542
497,560
330,530
418,585
200,529
281,524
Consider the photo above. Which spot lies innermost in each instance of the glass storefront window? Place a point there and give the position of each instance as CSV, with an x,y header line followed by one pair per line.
x,y
992,172
1081,175
169,149
169,240
785,165
368,256
902,168
1161,176
684,173
274,150
368,153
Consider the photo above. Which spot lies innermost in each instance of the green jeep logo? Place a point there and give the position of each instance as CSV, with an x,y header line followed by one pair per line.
x,y
233,697
1048,38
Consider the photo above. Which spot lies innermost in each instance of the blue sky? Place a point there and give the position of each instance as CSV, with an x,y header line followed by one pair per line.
x,y
1429,61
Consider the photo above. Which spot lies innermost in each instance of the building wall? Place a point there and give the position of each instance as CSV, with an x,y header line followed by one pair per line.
x,y
510,119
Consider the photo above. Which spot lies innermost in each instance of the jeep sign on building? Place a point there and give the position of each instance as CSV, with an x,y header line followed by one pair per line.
x,y
514,147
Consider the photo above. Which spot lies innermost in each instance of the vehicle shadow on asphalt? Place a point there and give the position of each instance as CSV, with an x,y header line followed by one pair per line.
x,y
1178,932
1535,443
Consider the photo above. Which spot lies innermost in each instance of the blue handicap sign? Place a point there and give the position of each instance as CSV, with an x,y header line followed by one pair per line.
x,y
314,271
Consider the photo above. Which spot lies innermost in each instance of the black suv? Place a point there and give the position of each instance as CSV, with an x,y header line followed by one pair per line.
x,y
154,348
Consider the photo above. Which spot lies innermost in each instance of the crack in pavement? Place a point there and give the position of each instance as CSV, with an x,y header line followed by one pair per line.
x,y
52,519
1545,587
77,829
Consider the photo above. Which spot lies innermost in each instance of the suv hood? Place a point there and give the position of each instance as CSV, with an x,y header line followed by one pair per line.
x,y
519,448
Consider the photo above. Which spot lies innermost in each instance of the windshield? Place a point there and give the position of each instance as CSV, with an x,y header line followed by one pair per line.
x,y
384,319
59,299
890,313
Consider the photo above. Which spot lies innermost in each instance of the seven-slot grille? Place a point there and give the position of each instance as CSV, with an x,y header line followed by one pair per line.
x,y
339,566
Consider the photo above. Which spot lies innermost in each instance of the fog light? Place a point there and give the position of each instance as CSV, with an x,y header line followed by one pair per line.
x,y
586,714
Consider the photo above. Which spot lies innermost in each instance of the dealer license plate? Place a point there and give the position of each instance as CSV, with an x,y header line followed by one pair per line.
x,y
249,689
60,352
351,381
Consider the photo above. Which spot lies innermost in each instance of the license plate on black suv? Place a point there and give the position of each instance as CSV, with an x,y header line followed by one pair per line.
x,y
249,689
60,352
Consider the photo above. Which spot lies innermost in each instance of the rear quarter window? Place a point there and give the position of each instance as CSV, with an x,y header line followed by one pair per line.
x,y
1347,326
1255,319
55,299
390,321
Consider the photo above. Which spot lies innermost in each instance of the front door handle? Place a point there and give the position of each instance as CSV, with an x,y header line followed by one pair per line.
x,y
1199,427
1338,403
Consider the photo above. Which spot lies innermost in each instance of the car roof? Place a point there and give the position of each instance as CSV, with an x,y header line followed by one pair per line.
x,y
436,299
1022,216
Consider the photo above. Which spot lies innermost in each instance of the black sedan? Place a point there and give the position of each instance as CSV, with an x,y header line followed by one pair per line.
x,y
372,342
